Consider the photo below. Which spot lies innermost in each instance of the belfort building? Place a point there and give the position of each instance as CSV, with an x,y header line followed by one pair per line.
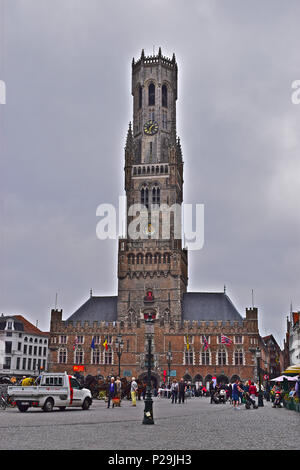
x,y
189,327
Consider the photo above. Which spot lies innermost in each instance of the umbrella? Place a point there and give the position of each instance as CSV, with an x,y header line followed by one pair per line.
x,y
295,370
282,378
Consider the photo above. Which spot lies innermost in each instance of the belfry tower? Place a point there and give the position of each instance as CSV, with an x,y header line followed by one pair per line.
x,y
152,264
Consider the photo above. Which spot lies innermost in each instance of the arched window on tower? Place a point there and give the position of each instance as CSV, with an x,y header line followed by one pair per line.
x,y
167,258
148,258
157,258
140,259
151,93
130,258
140,97
164,96
145,197
156,196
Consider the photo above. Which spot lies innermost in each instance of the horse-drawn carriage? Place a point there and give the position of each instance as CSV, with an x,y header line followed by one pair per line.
x,y
98,386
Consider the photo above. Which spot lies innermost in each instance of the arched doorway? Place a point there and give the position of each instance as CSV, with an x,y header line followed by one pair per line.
x,y
155,380
198,378
222,379
198,381
187,378
207,380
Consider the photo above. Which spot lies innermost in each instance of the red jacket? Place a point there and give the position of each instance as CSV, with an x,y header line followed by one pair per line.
x,y
252,390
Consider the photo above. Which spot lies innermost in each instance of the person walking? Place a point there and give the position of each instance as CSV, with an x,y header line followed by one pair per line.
x,y
118,390
111,391
268,389
181,391
230,393
252,390
297,388
133,391
236,390
174,391
212,391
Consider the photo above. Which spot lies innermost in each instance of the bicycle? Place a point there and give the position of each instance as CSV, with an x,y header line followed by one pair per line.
x,y
3,403
6,403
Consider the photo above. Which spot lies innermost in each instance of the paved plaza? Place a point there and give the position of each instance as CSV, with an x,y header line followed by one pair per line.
x,y
192,426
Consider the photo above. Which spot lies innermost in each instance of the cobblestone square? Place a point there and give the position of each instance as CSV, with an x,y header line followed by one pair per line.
x,y
196,425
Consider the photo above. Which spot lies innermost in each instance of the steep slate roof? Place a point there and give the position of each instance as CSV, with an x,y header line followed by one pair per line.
x,y
198,306
17,325
96,309
29,327
209,306
21,324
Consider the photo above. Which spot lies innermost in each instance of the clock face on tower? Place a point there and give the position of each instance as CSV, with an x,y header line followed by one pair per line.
x,y
150,127
149,230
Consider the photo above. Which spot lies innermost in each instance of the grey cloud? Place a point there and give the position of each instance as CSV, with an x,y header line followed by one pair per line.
x,y
67,67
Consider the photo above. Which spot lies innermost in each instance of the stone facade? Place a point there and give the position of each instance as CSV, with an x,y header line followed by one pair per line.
x,y
154,263
169,335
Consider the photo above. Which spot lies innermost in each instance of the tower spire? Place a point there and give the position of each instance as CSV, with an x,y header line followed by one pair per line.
x,y
129,136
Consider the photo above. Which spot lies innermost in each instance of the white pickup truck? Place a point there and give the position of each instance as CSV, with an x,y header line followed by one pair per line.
x,y
55,390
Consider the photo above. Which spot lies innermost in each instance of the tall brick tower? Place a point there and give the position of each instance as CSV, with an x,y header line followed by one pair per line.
x,y
153,267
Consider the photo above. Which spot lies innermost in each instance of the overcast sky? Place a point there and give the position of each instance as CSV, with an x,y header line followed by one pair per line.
x,y
67,69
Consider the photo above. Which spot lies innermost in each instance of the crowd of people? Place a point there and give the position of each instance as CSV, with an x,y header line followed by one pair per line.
x,y
235,393
178,391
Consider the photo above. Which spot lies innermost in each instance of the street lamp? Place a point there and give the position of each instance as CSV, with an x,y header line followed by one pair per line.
x,y
169,359
260,394
119,346
149,329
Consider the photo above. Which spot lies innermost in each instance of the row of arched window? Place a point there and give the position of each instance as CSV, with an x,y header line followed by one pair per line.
x,y
148,258
155,193
97,356
147,170
151,95
40,341
221,357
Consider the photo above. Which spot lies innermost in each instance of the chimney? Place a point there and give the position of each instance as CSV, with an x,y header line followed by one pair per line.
x,y
56,317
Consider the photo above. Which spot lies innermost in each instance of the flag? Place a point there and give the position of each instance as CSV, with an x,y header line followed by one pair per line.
x,y
206,345
105,344
93,343
225,339
75,343
187,343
